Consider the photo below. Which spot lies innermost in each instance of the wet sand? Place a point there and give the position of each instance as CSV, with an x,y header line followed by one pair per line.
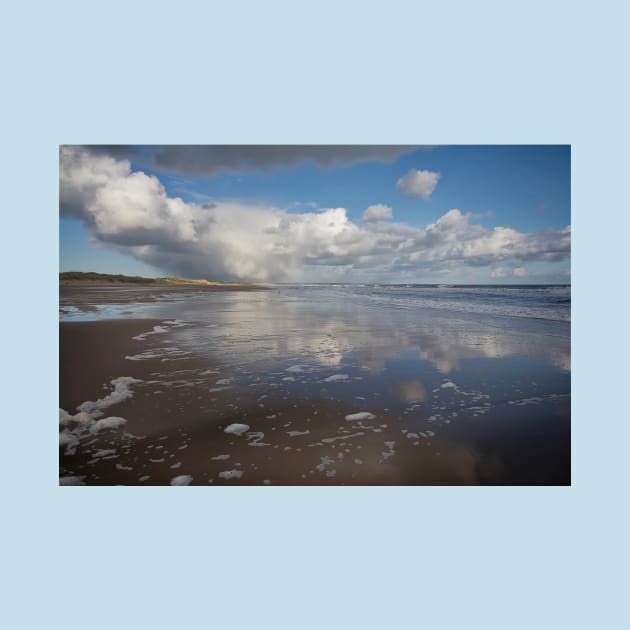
x,y
185,425
92,354
181,402
86,294
150,380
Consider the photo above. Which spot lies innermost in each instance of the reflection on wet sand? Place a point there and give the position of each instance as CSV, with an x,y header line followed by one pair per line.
x,y
268,327
408,390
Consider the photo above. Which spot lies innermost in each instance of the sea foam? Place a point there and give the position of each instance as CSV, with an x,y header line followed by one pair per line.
x,y
181,480
361,415
122,391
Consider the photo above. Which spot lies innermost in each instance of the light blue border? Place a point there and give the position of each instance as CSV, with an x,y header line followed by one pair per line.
x,y
287,72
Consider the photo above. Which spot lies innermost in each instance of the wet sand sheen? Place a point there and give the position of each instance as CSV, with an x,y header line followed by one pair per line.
x,y
177,416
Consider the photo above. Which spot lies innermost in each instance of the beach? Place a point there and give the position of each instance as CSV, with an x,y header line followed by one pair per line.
x,y
314,385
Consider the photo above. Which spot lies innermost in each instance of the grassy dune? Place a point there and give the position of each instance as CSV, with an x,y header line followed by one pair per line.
x,y
91,276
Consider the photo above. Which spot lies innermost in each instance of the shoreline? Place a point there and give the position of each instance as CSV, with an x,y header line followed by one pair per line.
x,y
209,286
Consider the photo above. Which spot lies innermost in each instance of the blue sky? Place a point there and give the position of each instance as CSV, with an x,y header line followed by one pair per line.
x,y
283,194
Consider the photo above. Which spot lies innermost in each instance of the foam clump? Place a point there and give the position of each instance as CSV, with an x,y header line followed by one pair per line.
x,y
68,439
143,356
82,418
236,428
294,369
64,418
361,415
72,480
255,439
86,421
345,436
181,480
337,378
231,474
157,330
104,452
113,422
220,457
325,462
122,391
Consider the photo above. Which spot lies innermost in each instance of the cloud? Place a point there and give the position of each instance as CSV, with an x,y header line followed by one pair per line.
x,y
502,272
210,160
121,206
418,183
113,150
131,212
379,212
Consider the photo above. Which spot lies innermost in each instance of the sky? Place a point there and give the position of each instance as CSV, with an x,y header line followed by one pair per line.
x,y
400,214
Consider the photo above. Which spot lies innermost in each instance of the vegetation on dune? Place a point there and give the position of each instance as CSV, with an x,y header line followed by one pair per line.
x,y
109,277
103,277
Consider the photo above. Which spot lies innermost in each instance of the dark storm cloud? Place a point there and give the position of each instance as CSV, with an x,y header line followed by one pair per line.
x,y
209,160
113,150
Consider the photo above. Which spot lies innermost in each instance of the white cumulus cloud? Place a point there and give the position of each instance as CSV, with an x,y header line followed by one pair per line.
x,y
378,212
418,183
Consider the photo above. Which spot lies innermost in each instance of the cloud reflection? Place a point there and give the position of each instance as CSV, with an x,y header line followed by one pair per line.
x,y
275,327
